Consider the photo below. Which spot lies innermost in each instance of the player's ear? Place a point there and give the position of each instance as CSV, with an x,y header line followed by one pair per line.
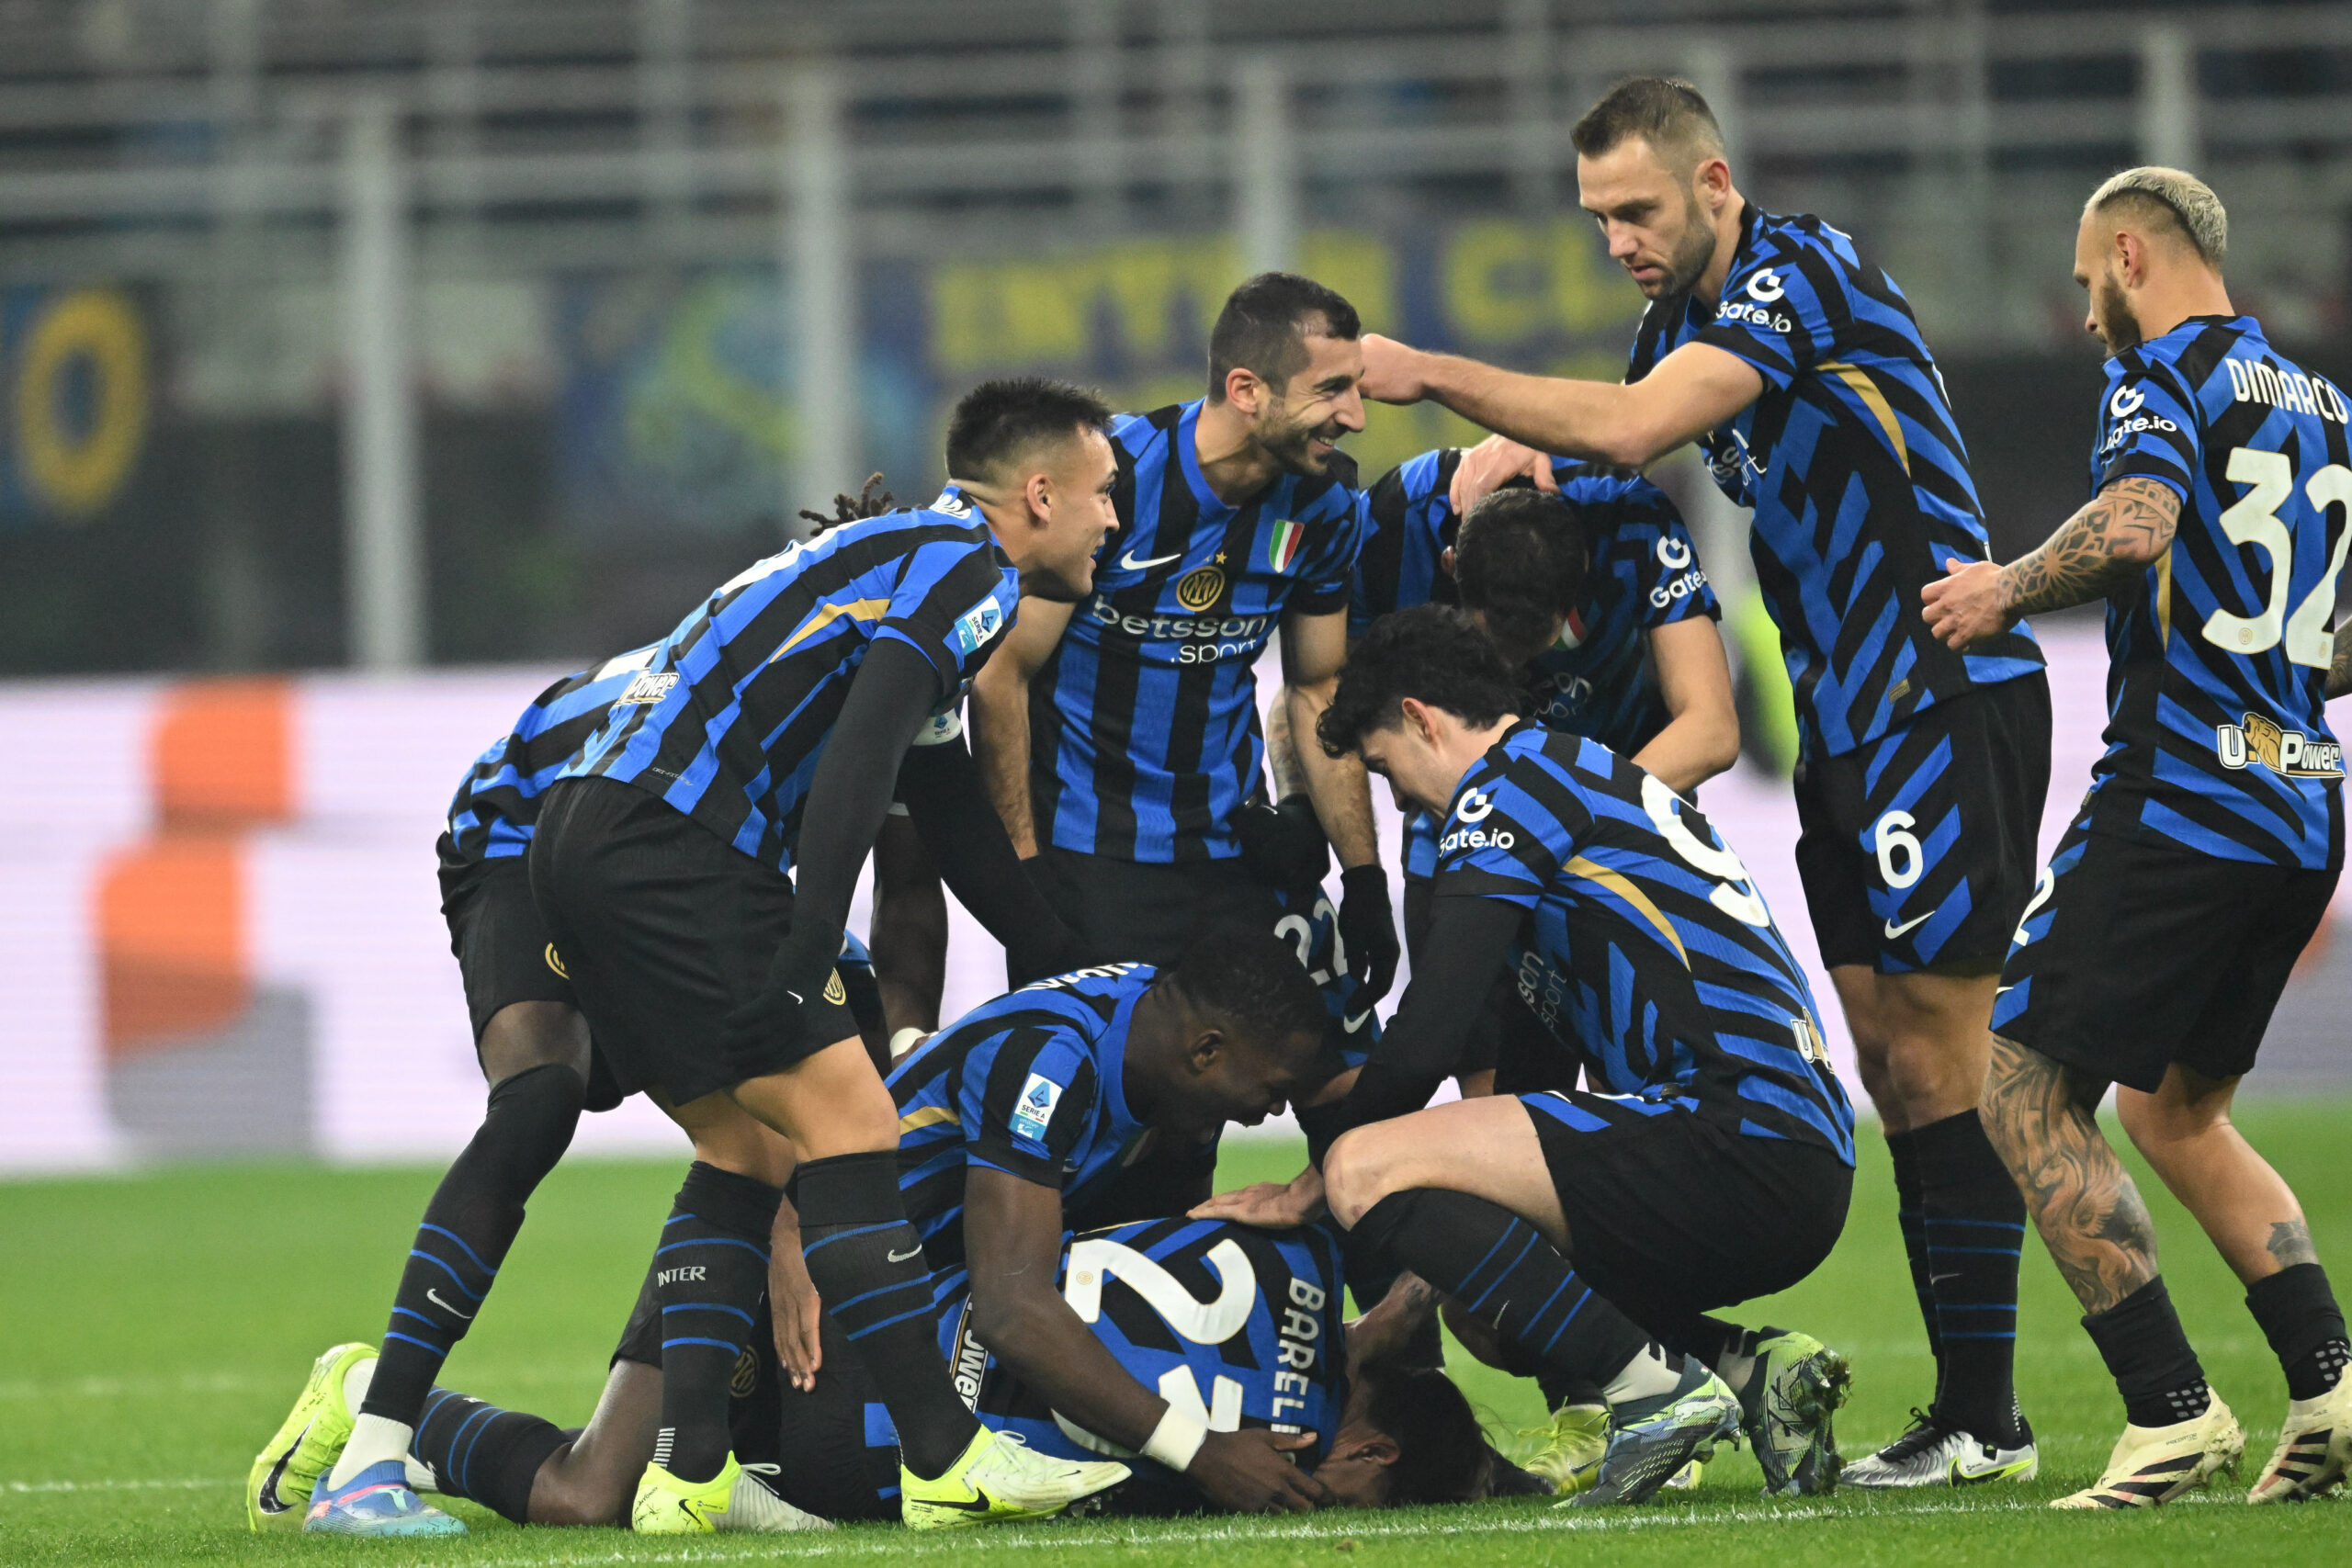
x,y
1207,1045
1244,391
1037,490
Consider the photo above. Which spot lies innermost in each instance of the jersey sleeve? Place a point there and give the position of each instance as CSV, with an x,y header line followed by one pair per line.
x,y
1498,843
2147,429
951,604
1028,1102
1400,559
1646,531
1326,581
1772,317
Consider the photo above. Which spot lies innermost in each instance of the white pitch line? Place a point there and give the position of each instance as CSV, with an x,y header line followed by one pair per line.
x,y
196,1483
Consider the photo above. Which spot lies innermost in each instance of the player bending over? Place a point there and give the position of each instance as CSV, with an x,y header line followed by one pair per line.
x,y
1713,1157
2208,848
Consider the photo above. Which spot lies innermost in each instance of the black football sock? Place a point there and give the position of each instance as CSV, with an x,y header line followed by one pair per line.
x,y
1975,1227
1912,1218
2305,1328
708,1274
867,1263
469,1225
482,1453
1505,1274
2141,1339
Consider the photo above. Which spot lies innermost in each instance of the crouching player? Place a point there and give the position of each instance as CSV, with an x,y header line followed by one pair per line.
x,y
1713,1159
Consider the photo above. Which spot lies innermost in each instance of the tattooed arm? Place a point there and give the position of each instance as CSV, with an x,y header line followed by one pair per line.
x,y
2125,529
2339,668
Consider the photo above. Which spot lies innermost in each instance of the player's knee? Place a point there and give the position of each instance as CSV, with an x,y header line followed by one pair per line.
x,y
561,1495
1356,1175
521,1036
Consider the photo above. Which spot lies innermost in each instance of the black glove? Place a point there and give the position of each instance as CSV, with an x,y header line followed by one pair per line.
x,y
763,1035
1283,844
1041,954
1368,927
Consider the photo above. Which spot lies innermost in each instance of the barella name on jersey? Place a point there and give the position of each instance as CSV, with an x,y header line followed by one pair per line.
x,y
2287,751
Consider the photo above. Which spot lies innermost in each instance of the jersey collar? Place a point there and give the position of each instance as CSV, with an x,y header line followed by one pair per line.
x,y
954,502
1111,1061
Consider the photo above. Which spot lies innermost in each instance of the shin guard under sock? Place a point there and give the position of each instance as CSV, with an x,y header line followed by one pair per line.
x,y
867,1263
2141,1339
2305,1328
1913,1219
1506,1275
469,1225
482,1453
708,1276
1975,1229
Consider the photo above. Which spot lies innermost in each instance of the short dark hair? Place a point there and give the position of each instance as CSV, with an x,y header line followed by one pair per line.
x,y
1253,980
1518,561
1441,1451
1265,324
997,422
1432,653
1665,111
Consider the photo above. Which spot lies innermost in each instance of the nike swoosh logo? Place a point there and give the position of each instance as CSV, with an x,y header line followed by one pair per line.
x,y
435,1297
1963,1476
903,1257
270,1502
1893,931
1128,563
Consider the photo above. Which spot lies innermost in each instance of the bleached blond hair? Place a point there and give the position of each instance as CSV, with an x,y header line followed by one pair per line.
x,y
2172,197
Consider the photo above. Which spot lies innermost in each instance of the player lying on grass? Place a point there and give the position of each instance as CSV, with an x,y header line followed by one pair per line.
x,y
1239,1325
1711,1158
2210,842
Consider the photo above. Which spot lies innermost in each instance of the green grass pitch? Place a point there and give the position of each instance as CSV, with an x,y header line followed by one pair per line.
x,y
157,1326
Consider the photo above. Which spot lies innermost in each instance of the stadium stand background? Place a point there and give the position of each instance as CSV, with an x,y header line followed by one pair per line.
x,y
374,336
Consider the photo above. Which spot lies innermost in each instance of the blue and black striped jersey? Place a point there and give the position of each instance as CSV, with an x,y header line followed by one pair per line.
x,y
1596,680
1143,724
727,721
1645,946
1855,468
1311,925
1238,1327
1030,1084
2217,738
497,807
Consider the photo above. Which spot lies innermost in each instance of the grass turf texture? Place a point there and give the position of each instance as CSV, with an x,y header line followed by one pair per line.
x,y
160,1325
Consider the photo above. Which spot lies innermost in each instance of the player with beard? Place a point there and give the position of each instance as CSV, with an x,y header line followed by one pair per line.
x,y
1800,370
2210,839
1120,735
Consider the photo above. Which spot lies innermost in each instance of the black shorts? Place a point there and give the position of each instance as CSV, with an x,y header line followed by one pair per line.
x,y
666,929
503,951
1672,1213
1918,850
1148,912
2131,957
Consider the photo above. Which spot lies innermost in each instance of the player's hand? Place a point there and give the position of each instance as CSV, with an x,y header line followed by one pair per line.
x,y
1392,371
1492,464
1368,930
1283,844
796,1310
1966,606
1251,1473
1268,1205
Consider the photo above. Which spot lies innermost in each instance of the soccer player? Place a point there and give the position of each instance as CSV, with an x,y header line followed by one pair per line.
x,y
763,738
2202,862
1120,734
1711,1158
1800,370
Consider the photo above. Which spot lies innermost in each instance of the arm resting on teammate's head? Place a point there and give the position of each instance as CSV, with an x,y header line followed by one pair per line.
x,y
941,787
1701,738
1468,944
1693,390
999,715
889,699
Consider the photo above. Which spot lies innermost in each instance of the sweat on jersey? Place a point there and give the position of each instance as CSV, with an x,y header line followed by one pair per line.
x,y
1645,945
1143,723
1031,1084
1238,1327
1855,468
1596,680
2217,738
726,722
496,809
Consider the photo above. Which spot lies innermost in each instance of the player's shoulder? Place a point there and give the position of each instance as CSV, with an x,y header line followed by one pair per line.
x,y
1087,996
1605,485
1415,481
1134,433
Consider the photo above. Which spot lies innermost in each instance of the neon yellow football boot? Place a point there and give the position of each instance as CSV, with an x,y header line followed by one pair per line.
x,y
286,1471
1000,1478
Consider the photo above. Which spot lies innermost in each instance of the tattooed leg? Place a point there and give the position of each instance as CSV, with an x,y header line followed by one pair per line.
x,y
2183,1131
2044,1121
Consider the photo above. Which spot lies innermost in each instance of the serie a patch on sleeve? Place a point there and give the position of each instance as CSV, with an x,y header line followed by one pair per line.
x,y
1036,1109
977,625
